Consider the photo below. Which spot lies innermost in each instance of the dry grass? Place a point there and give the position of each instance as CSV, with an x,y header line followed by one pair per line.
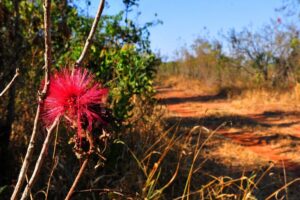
x,y
286,98
185,84
231,154
151,161
157,158
264,113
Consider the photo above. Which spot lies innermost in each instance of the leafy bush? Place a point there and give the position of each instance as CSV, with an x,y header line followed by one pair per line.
x,y
131,73
121,58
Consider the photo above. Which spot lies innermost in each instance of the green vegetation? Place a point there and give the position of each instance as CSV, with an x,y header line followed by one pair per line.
x,y
269,57
143,152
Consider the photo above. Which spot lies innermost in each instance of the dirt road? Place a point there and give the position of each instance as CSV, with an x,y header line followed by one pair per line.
x,y
270,130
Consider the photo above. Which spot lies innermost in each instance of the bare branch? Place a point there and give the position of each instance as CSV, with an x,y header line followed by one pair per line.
x,y
47,55
10,83
40,160
82,168
124,195
27,159
88,42
54,163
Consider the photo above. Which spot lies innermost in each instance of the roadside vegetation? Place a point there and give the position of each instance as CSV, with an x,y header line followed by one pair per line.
x,y
106,116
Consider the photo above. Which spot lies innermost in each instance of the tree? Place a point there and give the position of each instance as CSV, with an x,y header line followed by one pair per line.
x,y
271,49
252,48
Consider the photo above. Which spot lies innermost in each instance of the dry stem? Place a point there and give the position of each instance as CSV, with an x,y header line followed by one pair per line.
x,y
82,168
88,42
10,83
47,55
40,160
54,162
124,195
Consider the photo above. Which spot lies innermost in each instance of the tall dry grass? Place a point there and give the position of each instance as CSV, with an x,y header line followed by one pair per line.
x,y
155,160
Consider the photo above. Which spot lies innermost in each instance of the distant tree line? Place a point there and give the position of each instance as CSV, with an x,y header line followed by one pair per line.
x,y
269,56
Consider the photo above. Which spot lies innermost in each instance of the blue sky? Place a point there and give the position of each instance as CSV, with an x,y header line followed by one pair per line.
x,y
184,20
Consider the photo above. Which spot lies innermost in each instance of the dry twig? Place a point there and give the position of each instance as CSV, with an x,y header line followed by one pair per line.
x,y
10,83
82,168
47,55
40,160
54,163
124,195
88,42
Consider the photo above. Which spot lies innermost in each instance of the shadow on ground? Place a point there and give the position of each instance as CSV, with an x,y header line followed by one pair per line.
x,y
229,121
222,95
272,131
212,171
248,132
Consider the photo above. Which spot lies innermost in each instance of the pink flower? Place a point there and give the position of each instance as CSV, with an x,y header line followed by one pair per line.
x,y
75,96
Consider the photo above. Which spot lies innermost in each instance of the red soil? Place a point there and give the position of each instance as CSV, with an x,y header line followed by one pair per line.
x,y
271,130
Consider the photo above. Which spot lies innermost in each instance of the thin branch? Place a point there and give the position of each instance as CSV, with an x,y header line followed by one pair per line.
x,y
88,42
54,163
47,55
10,83
28,157
26,177
107,190
82,168
40,160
